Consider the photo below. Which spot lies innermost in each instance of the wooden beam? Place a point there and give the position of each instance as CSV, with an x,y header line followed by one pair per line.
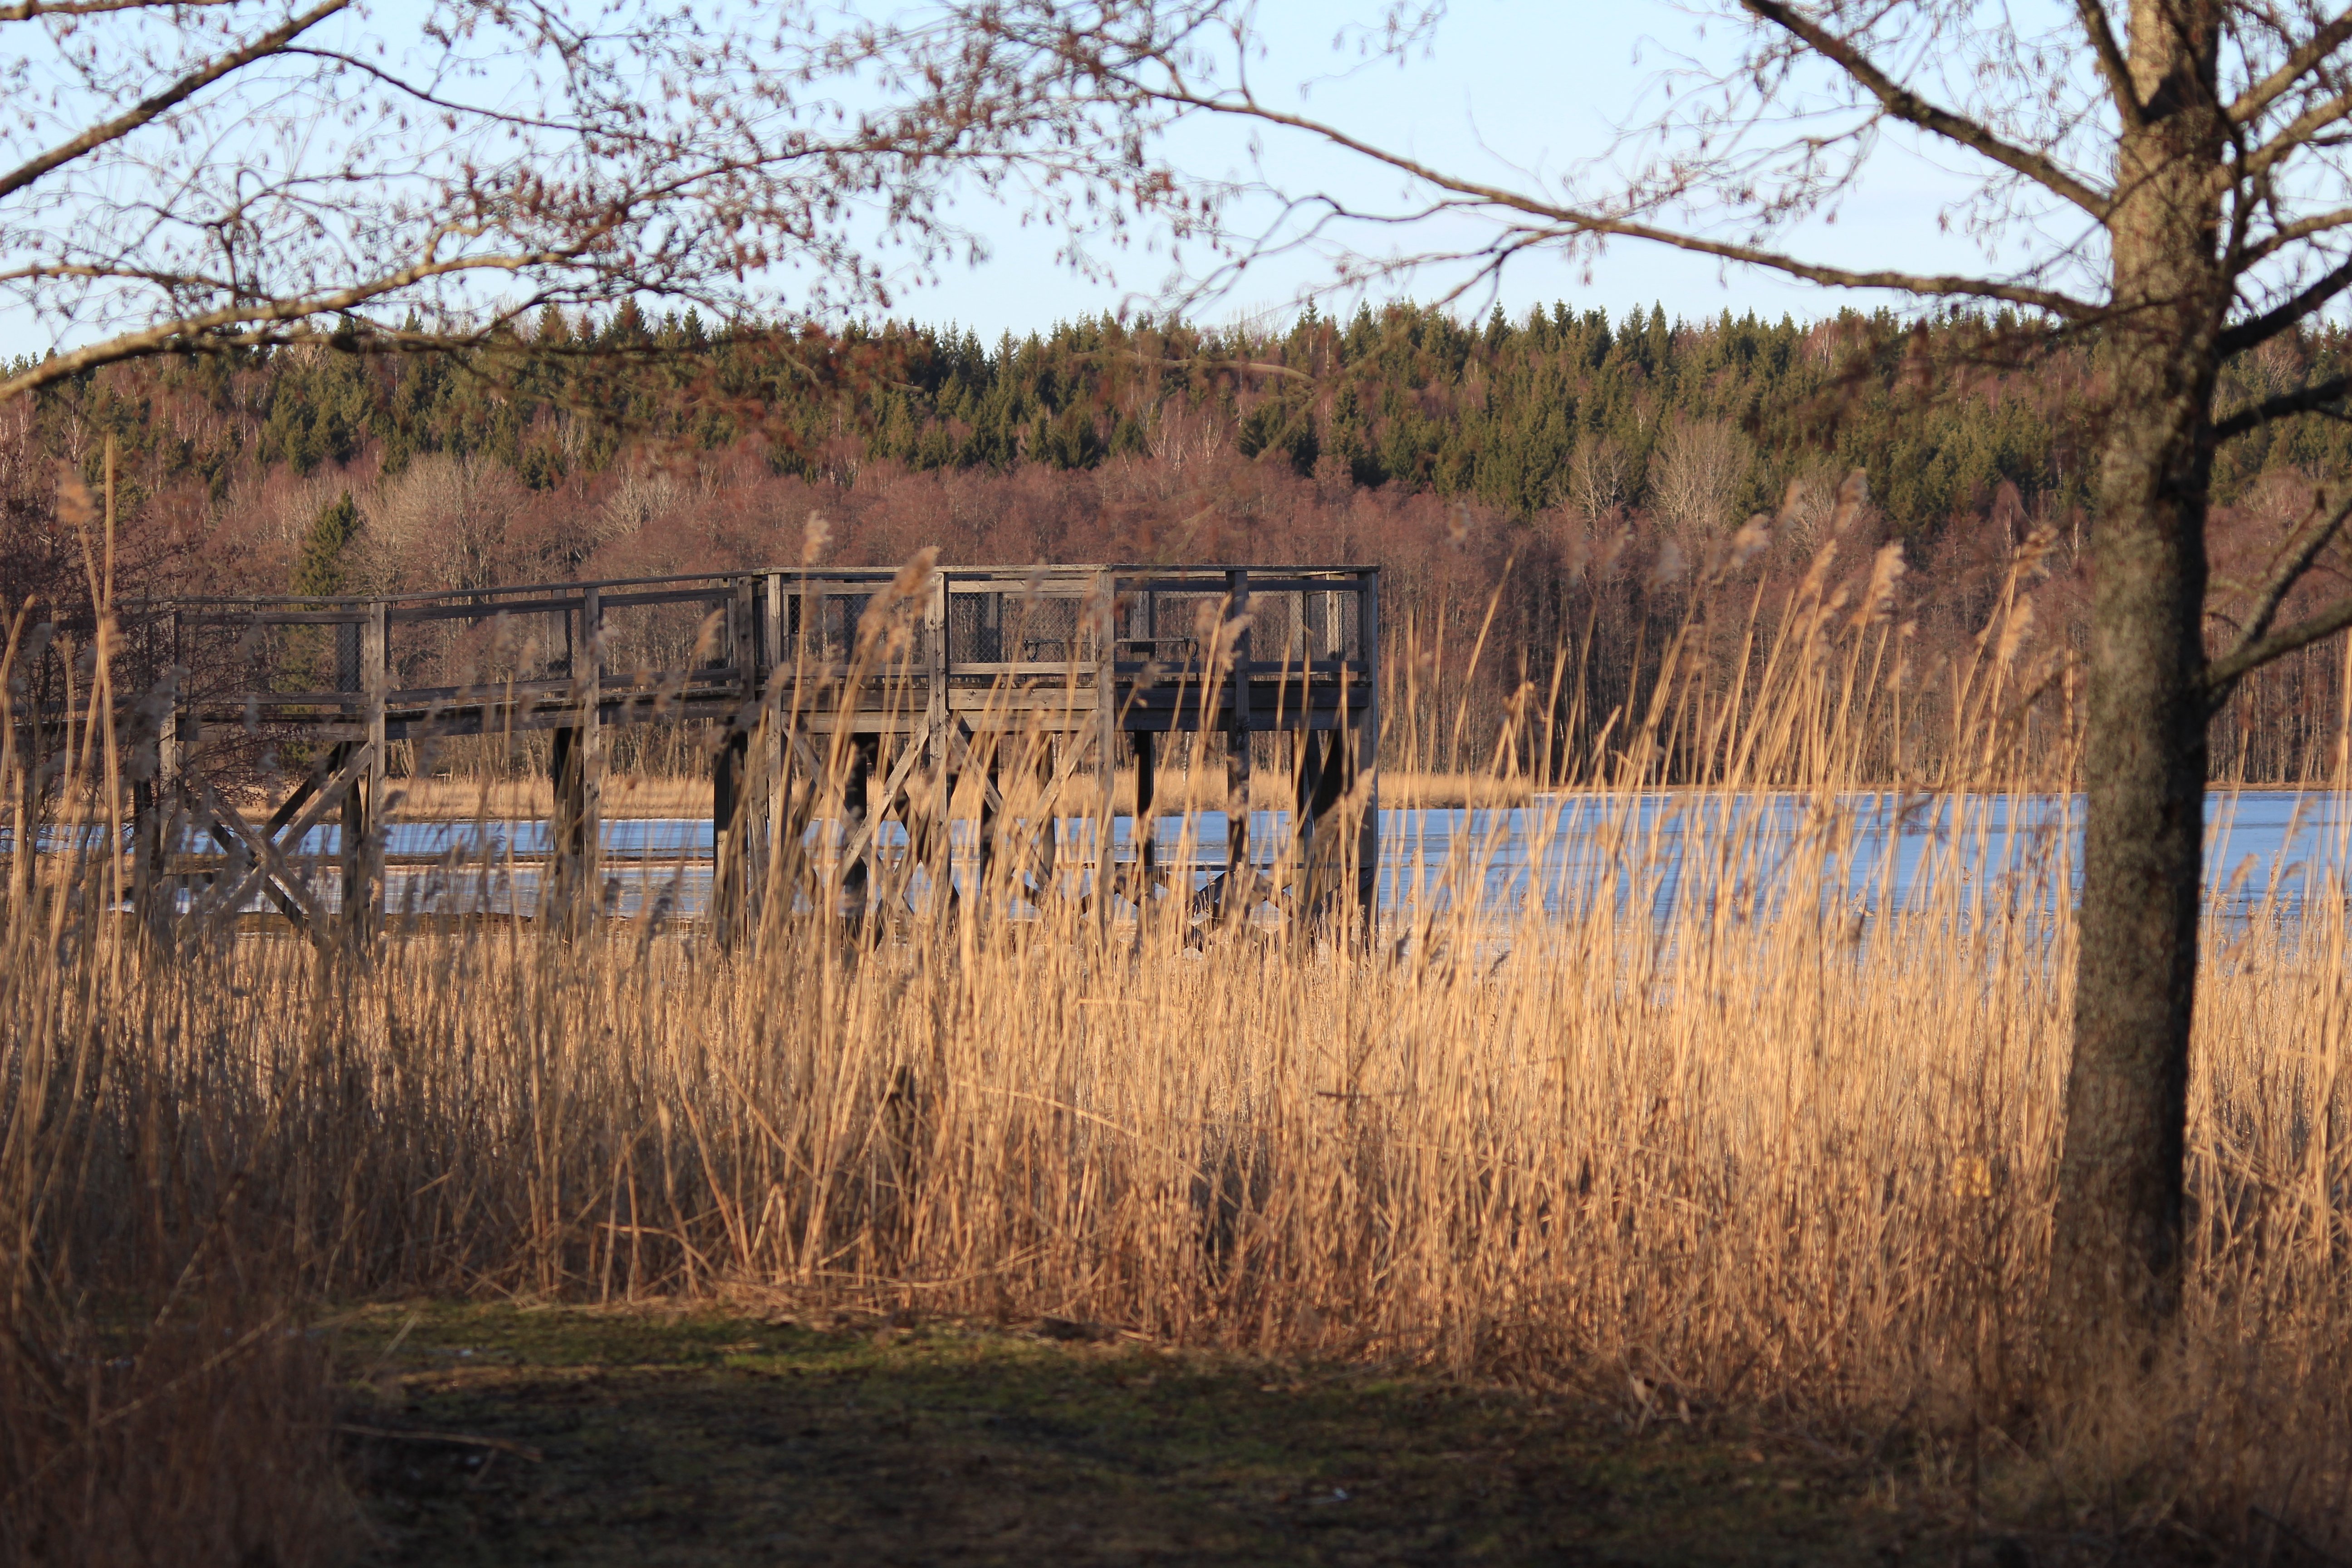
x,y
262,869
1239,869
937,839
1106,738
330,794
363,903
862,835
570,892
1366,742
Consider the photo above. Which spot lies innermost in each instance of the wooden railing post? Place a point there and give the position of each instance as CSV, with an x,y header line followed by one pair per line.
x,y
156,892
569,893
360,850
1368,749
935,839
1106,631
592,754
1240,875
774,785
731,787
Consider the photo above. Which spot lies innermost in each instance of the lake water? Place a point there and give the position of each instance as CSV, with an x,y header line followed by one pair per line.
x,y
1862,855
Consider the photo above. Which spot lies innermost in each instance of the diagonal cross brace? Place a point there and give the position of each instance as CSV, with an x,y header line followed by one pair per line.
x,y
270,858
891,786
277,882
267,866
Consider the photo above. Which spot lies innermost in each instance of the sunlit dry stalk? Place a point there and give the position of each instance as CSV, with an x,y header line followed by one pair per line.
x,y
1735,1117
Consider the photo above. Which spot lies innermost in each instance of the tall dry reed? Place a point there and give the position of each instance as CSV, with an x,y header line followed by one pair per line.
x,y
1728,1129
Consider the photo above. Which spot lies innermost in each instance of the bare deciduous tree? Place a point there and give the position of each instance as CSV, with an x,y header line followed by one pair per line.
x,y
1695,478
179,177
438,523
2170,175
1599,476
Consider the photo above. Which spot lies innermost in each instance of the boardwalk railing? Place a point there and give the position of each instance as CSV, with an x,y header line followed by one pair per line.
x,y
849,681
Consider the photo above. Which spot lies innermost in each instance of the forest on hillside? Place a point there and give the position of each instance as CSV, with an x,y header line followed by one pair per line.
x,y
1550,497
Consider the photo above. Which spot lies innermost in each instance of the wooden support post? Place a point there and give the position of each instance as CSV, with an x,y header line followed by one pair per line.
x,y
732,785
1326,773
1366,742
571,894
993,824
155,894
857,880
1147,822
351,857
1053,770
1241,873
592,753
170,754
1107,718
730,863
363,798
560,878
930,839
375,683
775,787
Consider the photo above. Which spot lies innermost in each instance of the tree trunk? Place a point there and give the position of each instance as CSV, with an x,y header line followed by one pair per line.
x,y
2115,1259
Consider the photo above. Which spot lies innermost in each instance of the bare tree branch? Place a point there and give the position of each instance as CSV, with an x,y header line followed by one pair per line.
x,y
211,190
1569,222
178,92
33,10
2302,550
2300,62
2280,237
2299,307
1910,108
2303,131
262,322
2092,15
2222,677
2309,399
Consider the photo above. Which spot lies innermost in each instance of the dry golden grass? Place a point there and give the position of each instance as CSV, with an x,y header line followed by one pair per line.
x,y
461,799
531,797
1751,1155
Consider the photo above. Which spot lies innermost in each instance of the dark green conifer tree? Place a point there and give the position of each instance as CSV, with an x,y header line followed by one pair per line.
x,y
320,569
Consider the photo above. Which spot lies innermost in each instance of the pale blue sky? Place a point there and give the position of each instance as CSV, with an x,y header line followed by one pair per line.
x,y
1538,87
1504,91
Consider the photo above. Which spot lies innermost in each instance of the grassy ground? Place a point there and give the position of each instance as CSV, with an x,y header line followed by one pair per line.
x,y
603,1438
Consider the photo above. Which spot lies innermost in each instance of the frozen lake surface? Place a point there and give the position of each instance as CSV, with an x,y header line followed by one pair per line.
x,y
1863,853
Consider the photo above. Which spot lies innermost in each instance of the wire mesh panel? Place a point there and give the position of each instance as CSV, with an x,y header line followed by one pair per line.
x,y
1304,625
1173,629
1334,623
474,656
990,625
832,629
1170,621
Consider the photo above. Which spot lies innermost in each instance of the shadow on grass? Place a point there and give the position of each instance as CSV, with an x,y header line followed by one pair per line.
x,y
578,1437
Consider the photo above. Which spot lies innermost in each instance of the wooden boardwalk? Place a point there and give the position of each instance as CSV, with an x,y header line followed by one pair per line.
x,y
846,688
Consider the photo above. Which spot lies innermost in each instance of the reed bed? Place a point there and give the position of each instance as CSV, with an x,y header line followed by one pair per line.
x,y
465,798
1772,1149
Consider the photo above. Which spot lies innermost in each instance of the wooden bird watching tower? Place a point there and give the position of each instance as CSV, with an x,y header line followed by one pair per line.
x,y
882,692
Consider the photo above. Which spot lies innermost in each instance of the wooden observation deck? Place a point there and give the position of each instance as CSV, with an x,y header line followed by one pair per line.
x,y
877,691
